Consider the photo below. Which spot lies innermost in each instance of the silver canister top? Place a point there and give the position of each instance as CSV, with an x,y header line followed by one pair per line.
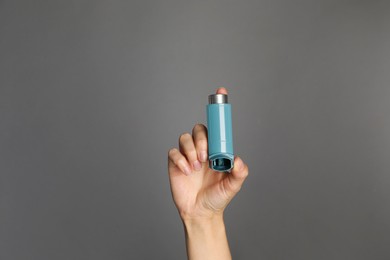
x,y
218,99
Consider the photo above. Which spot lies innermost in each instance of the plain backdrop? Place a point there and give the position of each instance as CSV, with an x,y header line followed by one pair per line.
x,y
94,93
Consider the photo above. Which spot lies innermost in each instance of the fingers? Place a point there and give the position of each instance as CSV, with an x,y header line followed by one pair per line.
x,y
222,90
187,147
238,174
199,133
176,158
193,148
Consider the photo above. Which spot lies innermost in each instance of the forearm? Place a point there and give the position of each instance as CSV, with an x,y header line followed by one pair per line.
x,y
206,239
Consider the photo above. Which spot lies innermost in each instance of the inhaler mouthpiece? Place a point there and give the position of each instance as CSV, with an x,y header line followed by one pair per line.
x,y
220,134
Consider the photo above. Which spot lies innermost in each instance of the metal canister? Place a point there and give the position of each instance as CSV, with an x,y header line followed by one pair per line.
x,y
220,133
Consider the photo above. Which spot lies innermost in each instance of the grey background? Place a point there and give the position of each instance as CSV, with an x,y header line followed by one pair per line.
x,y
94,93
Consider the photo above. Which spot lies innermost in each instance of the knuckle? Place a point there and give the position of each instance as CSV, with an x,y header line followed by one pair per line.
x,y
201,143
181,161
234,187
192,154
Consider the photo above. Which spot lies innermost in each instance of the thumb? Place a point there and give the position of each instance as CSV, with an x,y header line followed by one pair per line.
x,y
238,174
221,90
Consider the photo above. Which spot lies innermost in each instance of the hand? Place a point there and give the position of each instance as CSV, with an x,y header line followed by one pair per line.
x,y
198,191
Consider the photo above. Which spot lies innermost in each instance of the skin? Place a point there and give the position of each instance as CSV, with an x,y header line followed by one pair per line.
x,y
202,194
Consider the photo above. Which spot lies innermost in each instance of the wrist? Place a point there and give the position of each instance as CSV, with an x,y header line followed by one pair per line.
x,y
208,229
201,215
200,221
206,238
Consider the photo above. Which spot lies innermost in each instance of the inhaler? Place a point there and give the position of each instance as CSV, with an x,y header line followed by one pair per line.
x,y
220,134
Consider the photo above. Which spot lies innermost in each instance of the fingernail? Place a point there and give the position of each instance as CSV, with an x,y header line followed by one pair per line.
x,y
197,165
203,156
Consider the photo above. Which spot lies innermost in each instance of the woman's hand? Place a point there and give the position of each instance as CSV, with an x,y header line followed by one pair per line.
x,y
199,192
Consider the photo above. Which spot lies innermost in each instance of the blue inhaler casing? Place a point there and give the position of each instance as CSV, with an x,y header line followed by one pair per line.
x,y
220,133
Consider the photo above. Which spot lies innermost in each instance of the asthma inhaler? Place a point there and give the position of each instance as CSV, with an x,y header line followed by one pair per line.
x,y
220,134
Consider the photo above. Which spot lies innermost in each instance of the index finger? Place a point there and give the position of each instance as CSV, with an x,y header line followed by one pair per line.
x,y
199,132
